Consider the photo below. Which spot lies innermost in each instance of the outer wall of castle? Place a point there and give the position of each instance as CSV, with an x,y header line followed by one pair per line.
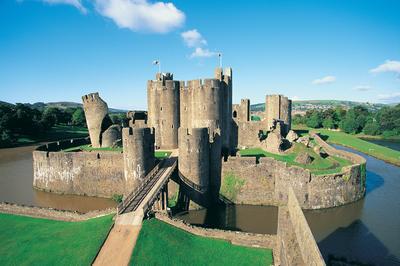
x,y
266,182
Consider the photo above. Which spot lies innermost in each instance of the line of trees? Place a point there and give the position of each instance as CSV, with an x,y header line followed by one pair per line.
x,y
22,120
385,122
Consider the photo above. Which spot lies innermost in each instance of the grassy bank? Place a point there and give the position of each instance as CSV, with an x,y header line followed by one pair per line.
x,y
352,141
57,132
32,241
319,165
162,244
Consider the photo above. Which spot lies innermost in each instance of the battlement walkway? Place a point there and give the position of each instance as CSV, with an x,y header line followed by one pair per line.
x,y
118,247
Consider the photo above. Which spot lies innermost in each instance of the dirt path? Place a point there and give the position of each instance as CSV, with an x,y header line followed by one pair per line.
x,y
117,250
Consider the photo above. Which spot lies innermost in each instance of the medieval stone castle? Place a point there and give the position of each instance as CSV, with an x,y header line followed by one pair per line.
x,y
198,118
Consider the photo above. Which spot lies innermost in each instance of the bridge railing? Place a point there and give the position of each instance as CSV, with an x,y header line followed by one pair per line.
x,y
126,200
191,184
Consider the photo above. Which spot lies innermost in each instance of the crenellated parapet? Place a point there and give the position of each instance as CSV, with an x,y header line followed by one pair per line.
x,y
97,119
138,150
163,109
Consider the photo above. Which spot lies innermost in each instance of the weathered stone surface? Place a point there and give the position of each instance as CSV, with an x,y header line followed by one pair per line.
x,y
292,136
303,158
111,136
97,119
304,140
274,142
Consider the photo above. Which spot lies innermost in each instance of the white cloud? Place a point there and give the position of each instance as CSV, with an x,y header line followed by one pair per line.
x,y
141,15
390,98
324,80
75,3
200,52
362,88
193,38
388,66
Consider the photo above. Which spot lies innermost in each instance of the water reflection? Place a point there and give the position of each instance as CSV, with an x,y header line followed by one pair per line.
x,y
16,178
248,218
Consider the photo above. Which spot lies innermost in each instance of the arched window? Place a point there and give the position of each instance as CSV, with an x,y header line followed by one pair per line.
x,y
234,114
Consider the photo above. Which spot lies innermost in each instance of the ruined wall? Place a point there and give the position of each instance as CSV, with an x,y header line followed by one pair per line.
x,y
97,119
98,174
278,107
266,182
163,99
137,118
296,244
138,147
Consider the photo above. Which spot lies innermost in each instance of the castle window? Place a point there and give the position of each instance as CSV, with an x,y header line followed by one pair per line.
x,y
234,114
172,126
161,108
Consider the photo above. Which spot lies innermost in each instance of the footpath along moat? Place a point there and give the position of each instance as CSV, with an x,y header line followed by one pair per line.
x,y
366,231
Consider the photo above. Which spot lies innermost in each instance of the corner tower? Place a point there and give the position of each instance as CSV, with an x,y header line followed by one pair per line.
x,y
163,110
138,150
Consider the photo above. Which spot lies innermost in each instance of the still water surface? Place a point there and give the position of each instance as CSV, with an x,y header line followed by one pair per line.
x,y
366,231
16,178
395,145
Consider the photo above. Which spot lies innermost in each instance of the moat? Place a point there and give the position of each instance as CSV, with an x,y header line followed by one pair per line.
x,y
366,231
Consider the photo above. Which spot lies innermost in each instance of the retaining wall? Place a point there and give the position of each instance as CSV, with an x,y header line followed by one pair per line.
x,y
265,182
98,174
295,242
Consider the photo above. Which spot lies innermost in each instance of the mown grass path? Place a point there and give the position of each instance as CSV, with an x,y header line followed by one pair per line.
x,y
33,241
163,244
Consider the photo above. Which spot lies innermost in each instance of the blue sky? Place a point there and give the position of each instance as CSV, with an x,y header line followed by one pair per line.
x,y
58,50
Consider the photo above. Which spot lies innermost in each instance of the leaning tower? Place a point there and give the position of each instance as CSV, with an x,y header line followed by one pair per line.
x,y
97,119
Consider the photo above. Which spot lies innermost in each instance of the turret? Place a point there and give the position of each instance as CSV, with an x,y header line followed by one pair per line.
x,y
279,108
138,149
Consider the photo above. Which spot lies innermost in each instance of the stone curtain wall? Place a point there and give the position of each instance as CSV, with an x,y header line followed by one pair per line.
x,y
266,182
98,174
295,243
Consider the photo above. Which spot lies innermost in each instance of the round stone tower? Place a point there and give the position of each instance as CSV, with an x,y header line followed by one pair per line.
x,y
163,110
97,119
194,156
138,149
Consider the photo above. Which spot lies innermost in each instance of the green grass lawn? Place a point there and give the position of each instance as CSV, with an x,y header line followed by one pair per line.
x,y
58,132
319,165
162,244
32,241
352,141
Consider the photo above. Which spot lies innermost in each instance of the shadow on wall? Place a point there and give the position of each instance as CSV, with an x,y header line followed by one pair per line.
x,y
355,245
374,181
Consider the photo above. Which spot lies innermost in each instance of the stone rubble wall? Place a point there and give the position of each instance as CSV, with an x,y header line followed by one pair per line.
x,y
50,213
98,174
295,243
266,182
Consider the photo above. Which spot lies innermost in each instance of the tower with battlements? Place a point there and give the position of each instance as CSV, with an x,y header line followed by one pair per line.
x,y
97,119
138,150
278,108
163,110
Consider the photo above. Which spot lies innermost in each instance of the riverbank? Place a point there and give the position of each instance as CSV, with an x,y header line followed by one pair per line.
x,y
35,241
352,141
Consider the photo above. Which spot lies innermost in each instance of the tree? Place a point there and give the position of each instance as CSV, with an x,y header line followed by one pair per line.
x,y
328,123
371,128
78,117
314,120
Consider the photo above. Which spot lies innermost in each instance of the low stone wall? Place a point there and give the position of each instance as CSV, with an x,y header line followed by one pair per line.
x,y
52,214
98,174
235,237
266,182
295,242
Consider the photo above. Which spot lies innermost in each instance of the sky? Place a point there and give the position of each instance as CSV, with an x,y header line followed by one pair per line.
x,y
59,50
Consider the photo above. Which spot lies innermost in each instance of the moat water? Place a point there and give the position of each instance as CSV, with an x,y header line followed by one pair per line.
x,y
16,179
367,231
393,144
